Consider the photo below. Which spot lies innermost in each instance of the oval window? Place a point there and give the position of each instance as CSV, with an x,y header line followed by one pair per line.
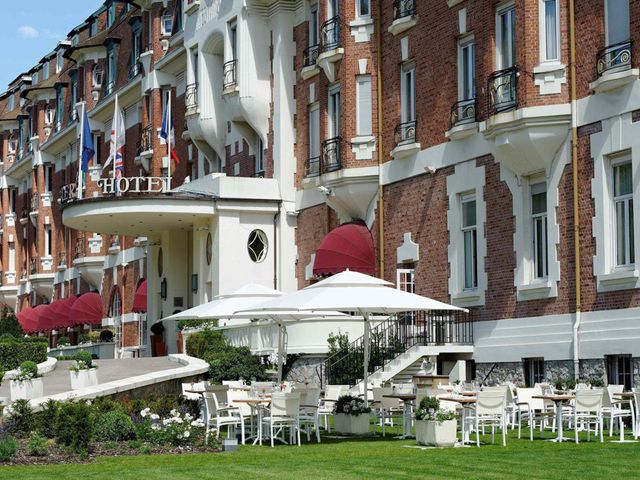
x,y
257,246
209,248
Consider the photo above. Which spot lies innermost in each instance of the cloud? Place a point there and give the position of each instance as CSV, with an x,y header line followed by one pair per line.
x,y
50,34
27,31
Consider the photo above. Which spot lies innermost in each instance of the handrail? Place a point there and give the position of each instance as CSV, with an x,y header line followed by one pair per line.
x,y
405,132
613,57
503,90
403,8
331,159
230,74
310,55
330,34
463,112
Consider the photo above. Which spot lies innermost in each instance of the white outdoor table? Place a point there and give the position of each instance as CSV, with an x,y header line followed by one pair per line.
x,y
406,398
466,402
558,400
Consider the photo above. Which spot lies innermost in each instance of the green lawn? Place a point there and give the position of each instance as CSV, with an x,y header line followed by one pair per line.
x,y
373,458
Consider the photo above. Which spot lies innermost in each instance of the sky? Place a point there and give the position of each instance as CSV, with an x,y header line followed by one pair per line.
x,y
31,29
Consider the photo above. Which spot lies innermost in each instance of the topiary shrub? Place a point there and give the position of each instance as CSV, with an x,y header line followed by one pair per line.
x,y
8,448
13,353
27,371
114,426
83,338
23,420
94,337
9,324
74,426
47,418
84,361
64,341
106,336
37,445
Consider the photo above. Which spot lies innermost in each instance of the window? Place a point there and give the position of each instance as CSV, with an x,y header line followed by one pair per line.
x,y
136,49
177,27
616,14
334,111
59,61
93,29
363,8
620,370
34,78
550,31
97,144
233,40
111,69
260,157
49,115
533,371
333,8
314,25
59,108
13,143
45,71
48,178
539,229
470,240
96,76
115,306
506,37
12,257
406,280
167,22
257,246
363,105
47,241
12,200
111,14
75,40
467,70
314,132
408,94
74,96
12,102
623,205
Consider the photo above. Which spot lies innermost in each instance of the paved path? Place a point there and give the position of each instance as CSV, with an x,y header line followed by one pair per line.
x,y
59,381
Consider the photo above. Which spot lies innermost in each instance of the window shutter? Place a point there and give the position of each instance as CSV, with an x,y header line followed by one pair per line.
x,y
364,107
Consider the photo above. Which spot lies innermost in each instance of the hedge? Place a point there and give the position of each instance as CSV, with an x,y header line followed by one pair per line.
x,y
12,354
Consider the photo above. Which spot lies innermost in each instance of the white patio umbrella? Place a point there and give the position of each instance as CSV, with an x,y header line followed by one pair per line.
x,y
355,292
224,306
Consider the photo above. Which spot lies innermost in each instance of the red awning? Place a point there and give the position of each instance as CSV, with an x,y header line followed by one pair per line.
x,y
62,309
350,246
86,310
38,320
48,317
140,299
24,319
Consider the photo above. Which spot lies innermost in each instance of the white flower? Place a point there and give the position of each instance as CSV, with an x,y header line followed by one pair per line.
x,y
154,416
186,434
178,420
145,412
155,427
174,413
197,423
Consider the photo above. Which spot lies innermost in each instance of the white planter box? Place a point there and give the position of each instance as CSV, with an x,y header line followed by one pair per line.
x,y
28,389
352,424
84,378
437,434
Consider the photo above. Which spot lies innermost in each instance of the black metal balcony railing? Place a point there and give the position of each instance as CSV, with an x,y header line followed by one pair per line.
x,y
230,74
312,168
330,34
503,90
310,55
403,8
146,139
62,259
34,202
25,213
463,112
33,267
79,250
331,158
405,133
134,69
614,57
191,97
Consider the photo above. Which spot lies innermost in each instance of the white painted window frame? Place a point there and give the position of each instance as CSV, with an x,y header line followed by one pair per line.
x,y
543,34
472,232
625,200
333,111
358,10
364,119
314,131
408,93
314,24
608,41
539,220
464,43
501,10
406,277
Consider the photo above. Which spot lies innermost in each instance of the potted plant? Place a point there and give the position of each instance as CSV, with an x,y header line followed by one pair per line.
x,y
84,373
435,426
26,383
351,416
64,342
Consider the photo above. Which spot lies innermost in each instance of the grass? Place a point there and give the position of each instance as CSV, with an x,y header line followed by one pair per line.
x,y
373,458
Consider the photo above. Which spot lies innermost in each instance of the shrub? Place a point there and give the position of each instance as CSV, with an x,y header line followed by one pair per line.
x,y
27,371
233,363
84,361
114,426
64,341
47,418
84,338
8,448
201,343
196,323
94,337
74,426
12,354
176,429
350,405
9,324
22,417
37,445
106,336
1,375
429,409
7,337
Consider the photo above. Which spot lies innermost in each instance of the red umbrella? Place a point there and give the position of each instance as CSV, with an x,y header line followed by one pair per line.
x,y
87,310
140,299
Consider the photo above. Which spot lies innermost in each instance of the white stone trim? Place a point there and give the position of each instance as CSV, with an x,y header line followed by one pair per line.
x,y
409,251
467,178
618,135
550,77
362,29
363,147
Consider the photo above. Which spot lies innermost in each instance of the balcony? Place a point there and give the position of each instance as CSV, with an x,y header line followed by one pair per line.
x,y
503,90
89,267
24,217
191,99
404,16
33,212
135,69
613,67
463,119
331,159
310,62
42,283
144,148
62,261
330,51
405,140
312,168
191,6
230,77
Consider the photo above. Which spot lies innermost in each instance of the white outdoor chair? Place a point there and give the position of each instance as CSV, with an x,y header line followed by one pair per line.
x,y
325,408
387,408
532,410
612,408
636,423
491,412
309,399
245,410
284,412
233,383
219,415
582,386
192,386
587,410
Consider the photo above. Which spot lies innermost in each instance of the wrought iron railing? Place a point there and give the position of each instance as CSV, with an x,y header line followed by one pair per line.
x,y
191,97
310,55
79,250
33,267
503,90
34,201
331,155
403,8
463,112
330,34
134,69
146,139
230,74
62,259
614,57
405,133
312,168
392,337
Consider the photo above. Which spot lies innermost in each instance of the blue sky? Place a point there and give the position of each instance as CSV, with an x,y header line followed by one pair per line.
x,y
31,29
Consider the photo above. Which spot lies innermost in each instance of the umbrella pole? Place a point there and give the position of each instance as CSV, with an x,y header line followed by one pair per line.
x,y
366,358
280,351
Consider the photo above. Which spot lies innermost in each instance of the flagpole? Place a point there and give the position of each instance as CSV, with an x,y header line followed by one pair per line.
x,y
169,139
114,129
81,151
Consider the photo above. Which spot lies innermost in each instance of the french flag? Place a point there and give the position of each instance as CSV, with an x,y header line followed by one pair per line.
x,y
167,131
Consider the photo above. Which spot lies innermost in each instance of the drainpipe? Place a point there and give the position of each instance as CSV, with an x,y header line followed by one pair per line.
x,y
380,158
575,172
276,216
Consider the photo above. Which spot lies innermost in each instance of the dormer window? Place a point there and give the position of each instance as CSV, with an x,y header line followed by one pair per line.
x,y
34,78
111,15
167,22
75,40
93,28
12,102
49,116
13,144
45,71
96,76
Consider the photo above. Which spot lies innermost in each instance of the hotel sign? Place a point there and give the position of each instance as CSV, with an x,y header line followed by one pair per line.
x,y
112,186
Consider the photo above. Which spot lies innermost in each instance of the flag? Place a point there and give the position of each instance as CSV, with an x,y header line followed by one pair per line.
x,y
117,142
167,131
88,150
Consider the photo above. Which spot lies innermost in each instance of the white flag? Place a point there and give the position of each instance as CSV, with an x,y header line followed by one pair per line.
x,y
117,139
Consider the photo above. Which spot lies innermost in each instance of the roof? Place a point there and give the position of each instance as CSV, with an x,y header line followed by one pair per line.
x,y
49,83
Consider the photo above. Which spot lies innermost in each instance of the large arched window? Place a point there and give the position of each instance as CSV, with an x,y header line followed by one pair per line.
x,y
115,305
167,22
